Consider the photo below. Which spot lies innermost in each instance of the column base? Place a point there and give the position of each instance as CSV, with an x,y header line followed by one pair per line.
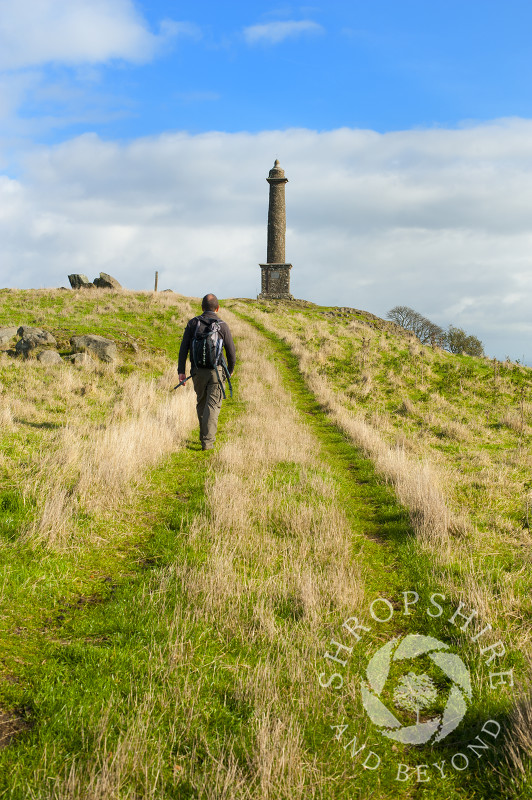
x,y
275,282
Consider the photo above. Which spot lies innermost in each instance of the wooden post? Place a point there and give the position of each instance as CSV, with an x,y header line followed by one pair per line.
x,y
156,280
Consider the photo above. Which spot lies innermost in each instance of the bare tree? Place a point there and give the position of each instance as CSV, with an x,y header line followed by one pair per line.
x,y
426,331
403,316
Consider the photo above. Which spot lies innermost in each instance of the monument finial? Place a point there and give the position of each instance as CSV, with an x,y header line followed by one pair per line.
x,y
277,172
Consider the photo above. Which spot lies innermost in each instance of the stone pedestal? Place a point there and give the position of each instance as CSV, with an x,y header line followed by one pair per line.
x,y
275,282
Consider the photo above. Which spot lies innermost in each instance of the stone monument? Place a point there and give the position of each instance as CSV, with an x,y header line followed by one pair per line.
x,y
275,277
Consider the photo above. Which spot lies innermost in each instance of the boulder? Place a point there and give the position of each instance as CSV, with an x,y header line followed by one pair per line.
x,y
104,349
78,281
49,357
6,334
81,359
32,338
106,281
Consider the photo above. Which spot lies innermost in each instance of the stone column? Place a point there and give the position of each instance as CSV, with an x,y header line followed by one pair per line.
x,y
276,215
275,274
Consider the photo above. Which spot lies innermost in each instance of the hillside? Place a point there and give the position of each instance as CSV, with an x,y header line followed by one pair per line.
x,y
167,614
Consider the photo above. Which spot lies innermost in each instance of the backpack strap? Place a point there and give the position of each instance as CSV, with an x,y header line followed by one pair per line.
x,y
194,336
226,370
220,381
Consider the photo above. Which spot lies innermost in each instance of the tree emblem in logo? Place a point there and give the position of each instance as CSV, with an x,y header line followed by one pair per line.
x,y
415,692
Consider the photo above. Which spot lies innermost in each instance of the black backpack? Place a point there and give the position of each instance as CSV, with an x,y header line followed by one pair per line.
x,y
206,349
206,346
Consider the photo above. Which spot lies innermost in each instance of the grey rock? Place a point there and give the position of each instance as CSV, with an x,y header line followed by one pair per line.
x,y
49,357
103,348
32,338
28,330
106,281
79,281
6,334
23,347
81,359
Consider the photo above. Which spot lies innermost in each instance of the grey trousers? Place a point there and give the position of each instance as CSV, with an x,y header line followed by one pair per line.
x,y
209,402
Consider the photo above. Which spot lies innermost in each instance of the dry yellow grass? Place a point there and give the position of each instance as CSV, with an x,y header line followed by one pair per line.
x,y
244,501
519,743
91,431
93,468
416,482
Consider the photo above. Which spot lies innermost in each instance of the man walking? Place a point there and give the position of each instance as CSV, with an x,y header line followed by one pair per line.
x,y
207,378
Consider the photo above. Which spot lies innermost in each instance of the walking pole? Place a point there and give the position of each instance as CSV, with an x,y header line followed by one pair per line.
x,y
182,383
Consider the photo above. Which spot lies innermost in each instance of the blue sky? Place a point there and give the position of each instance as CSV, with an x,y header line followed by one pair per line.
x,y
384,65
137,136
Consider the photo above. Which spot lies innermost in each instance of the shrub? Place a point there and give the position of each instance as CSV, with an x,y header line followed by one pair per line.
x,y
457,341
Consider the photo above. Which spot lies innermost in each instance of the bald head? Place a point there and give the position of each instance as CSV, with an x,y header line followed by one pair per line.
x,y
210,303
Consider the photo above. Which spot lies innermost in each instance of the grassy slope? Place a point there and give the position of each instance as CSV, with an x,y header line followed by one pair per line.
x,y
84,544
169,647
474,416
421,412
471,419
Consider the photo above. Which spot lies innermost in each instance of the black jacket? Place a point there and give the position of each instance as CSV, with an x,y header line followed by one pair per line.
x,y
225,333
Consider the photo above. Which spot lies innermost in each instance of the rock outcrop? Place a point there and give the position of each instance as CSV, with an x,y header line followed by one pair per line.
x,y
78,281
106,281
102,348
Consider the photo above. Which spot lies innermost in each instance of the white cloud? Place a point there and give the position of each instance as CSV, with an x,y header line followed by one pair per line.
x,y
275,32
36,32
440,220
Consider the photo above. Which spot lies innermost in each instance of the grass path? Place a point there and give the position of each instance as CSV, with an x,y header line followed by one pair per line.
x,y
197,674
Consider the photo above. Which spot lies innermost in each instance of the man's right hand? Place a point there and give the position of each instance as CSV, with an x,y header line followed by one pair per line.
x,y
181,377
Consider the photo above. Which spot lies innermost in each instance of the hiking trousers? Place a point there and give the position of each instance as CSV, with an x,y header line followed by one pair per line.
x,y
208,403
